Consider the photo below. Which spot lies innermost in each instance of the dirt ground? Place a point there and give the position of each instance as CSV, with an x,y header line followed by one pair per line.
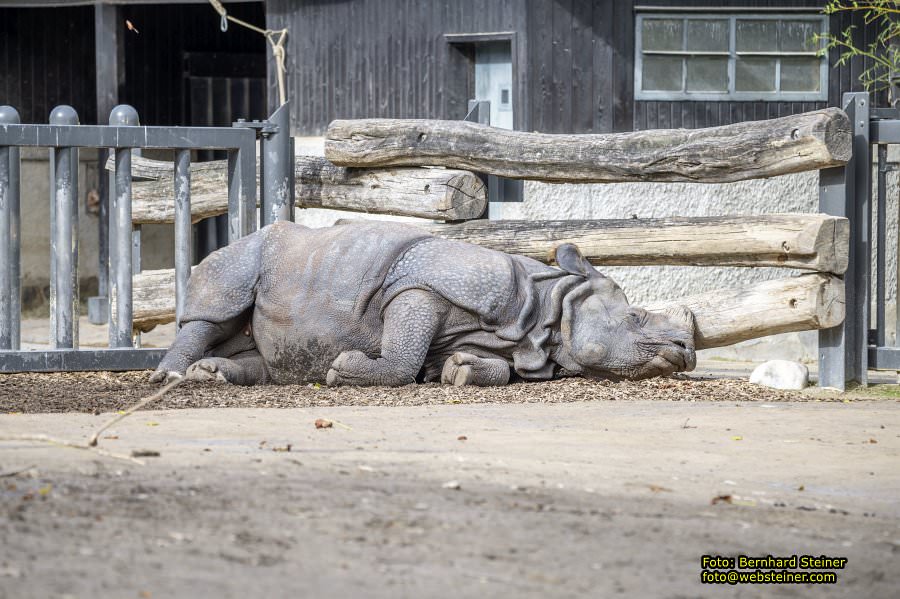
x,y
569,488
111,391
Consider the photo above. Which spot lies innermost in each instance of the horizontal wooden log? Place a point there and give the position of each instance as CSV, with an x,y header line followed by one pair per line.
x,y
433,193
729,316
724,317
807,241
153,299
746,150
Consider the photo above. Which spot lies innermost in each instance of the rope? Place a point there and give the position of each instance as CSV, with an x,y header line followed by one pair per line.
x,y
275,37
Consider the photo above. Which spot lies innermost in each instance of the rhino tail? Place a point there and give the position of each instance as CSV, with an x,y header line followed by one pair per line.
x,y
223,286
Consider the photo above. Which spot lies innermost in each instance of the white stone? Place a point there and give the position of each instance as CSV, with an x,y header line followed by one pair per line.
x,y
781,374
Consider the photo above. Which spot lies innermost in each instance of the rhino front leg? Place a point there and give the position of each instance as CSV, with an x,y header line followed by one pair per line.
x,y
193,340
467,369
410,323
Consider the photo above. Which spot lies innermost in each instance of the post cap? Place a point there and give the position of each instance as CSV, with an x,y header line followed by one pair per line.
x,y
63,115
124,115
9,115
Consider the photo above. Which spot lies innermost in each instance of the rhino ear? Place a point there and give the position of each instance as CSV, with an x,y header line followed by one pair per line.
x,y
570,259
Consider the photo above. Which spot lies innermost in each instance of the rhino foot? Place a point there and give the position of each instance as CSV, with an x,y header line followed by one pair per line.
x,y
206,370
468,369
356,368
165,376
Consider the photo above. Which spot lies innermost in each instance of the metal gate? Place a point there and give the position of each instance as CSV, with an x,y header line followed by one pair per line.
x,y
63,136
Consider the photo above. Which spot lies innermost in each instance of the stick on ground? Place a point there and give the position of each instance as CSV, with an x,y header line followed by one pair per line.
x,y
149,399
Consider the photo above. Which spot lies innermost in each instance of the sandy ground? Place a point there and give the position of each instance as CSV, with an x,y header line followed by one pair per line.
x,y
564,489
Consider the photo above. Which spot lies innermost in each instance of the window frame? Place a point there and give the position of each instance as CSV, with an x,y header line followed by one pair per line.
x,y
731,95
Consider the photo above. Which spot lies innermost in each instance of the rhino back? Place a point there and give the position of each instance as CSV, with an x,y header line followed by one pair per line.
x,y
320,293
481,281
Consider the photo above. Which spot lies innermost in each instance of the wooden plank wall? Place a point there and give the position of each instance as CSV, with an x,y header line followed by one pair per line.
x,y
154,59
42,61
389,59
47,57
385,59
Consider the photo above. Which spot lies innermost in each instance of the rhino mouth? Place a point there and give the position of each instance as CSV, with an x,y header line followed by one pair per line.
x,y
679,354
667,357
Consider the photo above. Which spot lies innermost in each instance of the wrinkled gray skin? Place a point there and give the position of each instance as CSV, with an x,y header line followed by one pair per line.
x,y
388,304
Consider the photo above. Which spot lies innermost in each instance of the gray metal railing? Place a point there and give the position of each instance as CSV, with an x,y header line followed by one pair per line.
x,y
64,136
848,351
882,129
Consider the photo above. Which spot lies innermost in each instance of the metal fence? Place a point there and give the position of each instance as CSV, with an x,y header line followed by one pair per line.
x,y
64,136
845,352
880,128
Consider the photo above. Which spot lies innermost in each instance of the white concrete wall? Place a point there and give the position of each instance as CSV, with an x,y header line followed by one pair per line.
x,y
789,193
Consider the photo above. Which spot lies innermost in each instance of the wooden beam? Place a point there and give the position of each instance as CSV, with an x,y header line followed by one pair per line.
x,y
153,299
724,317
807,241
746,150
728,316
433,193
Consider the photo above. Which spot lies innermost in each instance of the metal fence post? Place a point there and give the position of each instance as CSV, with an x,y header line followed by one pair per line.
x,y
5,252
10,236
183,241
64,302
277,166
242,190
881,236
845,191
121,321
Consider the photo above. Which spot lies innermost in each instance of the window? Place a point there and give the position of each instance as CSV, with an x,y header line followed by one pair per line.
x,y
721,57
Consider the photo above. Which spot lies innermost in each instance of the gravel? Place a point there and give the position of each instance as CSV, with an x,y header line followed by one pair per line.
x,y
111,391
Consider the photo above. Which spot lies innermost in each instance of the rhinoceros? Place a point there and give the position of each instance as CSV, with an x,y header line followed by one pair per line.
x,y
378,303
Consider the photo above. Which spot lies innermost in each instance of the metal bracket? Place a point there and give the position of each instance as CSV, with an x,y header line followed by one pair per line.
x,y
262,128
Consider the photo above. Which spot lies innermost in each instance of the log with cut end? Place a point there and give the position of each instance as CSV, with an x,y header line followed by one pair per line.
x,y
807,241
433,193
729,316
747,150
724,317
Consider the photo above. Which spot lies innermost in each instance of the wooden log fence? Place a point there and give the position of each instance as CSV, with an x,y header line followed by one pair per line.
x,y
805,241
727,316
374,165
747,150
433,193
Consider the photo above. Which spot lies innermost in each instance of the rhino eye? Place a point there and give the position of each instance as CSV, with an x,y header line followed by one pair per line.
x,y
636,318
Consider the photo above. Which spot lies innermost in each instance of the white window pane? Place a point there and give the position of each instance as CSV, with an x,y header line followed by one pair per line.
x,y
662,34
707,74
756,36
707,35
800,74
754,74
661,73
796,36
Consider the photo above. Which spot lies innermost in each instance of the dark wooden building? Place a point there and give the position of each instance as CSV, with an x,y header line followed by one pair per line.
x,y
174,65
573,62
548,65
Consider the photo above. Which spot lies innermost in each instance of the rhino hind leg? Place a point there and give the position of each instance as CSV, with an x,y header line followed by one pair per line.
x,y
247,368
410,323
467,369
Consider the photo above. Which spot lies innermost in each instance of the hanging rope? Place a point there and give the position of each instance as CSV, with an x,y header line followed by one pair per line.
x,y
275,37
